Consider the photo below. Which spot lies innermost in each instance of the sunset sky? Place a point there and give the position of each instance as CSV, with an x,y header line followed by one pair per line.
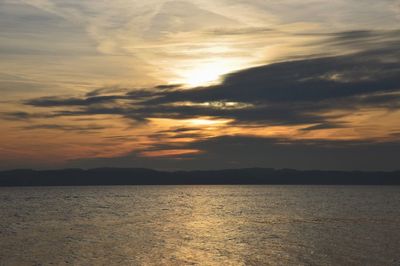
x,y
200,84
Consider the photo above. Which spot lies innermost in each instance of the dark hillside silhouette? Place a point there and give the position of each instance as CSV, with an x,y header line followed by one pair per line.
x,y
141,176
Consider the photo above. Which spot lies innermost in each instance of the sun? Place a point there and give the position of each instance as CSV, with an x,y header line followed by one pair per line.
x,y
205,75
208,73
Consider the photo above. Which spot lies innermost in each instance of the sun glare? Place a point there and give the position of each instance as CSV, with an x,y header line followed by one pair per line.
x,y
207,122
203,76
208,73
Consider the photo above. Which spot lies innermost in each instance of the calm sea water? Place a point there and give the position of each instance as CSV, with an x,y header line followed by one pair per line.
x,y
200,225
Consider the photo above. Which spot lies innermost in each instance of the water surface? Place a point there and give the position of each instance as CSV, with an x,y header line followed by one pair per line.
x,y
200,225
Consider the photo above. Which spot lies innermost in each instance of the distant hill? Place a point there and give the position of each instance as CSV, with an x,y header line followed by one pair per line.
x,y
141,176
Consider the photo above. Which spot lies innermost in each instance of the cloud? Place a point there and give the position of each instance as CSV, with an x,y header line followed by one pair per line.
x,y
317,76
326,125
81,129
247,151
230,31
56,101
182,16
17,115
349,14
296,92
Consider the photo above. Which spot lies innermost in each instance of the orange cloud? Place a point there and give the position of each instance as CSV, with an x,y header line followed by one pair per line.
x,y
169,153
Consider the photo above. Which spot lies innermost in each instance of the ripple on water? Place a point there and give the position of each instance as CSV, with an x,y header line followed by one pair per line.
x,y
200,225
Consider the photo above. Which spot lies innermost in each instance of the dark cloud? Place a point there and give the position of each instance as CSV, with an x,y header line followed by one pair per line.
x,y
169,86
104,96
286,93
299,81
55,101
390,101
299,92
363,39
16,115
82,129
165,135
105,90
238,152
180,130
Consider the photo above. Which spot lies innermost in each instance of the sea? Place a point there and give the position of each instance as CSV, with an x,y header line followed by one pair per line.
x,y
200,225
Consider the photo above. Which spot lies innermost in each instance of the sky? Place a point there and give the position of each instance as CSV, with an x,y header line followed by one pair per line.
x,y
200,84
